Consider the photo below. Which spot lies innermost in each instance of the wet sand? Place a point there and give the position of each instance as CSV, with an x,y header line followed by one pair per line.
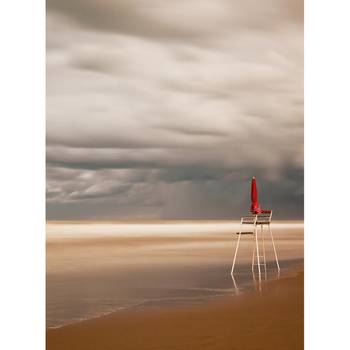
x,y
271,319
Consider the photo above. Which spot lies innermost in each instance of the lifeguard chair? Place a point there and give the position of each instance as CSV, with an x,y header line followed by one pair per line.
x,y
258,218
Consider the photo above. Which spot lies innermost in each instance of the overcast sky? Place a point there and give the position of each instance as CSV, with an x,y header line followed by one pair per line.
x,y
164,109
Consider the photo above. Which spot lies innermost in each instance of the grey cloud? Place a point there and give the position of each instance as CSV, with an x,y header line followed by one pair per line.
x,y
99,190
180,20
165,109
193,132
192,197
80,184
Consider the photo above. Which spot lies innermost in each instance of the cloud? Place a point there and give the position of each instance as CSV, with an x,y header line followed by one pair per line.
x,y
201,20
153,104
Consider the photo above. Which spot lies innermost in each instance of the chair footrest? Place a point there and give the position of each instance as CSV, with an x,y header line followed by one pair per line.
x,y
245,233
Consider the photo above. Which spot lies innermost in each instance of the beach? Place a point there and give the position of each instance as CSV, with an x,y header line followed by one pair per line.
x,y
167,286
271,320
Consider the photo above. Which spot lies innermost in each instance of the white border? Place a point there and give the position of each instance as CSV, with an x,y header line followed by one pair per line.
x,y
22,142
327,199
22,259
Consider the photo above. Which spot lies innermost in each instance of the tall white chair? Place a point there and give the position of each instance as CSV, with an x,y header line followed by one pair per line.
x,y
254,221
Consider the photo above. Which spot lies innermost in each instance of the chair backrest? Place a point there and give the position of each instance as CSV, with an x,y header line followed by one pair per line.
x,y
263,218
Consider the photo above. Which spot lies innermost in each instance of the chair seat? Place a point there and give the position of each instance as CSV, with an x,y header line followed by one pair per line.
x,y
261,219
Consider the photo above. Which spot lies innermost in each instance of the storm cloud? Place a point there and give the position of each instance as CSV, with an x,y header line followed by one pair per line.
x,y
165,109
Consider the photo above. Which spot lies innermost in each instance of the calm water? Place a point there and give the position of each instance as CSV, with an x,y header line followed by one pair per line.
x,y
94,269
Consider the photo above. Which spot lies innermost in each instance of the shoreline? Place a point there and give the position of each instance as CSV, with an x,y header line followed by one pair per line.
x,y
278,308
143,307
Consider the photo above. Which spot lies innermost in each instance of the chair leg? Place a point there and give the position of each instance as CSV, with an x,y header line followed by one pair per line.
x,y
235,255
263,244
274,249
257,251
264,251
253,259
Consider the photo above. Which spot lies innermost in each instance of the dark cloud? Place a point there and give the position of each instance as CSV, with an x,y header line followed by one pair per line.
x,y
165,109
185,194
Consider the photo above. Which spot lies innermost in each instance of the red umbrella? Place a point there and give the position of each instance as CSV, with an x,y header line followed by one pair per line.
x,y
255,207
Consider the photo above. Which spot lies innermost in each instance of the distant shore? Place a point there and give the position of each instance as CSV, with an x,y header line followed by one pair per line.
x,y
158,221
272,319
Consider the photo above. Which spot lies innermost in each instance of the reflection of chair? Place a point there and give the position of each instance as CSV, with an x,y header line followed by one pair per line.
x,y
235,285
259,219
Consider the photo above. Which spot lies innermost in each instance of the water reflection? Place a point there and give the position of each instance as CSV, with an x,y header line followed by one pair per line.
x,y
236,289
259,282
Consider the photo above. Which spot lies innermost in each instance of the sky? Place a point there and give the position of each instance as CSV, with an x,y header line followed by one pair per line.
x,y
165,109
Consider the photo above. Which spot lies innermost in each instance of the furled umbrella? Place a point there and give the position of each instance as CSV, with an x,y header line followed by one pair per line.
x,y
255,207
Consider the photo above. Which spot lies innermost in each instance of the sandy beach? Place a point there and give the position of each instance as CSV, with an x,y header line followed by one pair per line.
x,y
272,319
166,285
